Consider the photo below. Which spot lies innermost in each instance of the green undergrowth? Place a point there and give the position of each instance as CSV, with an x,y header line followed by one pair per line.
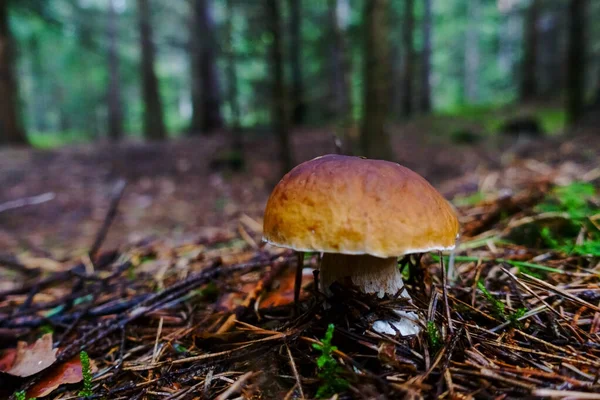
x,y
23,396
489,118
499,309
329,369
52,140
434,336
579,203
86,371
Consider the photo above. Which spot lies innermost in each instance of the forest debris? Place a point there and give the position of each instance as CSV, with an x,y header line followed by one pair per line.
x,y
63,374
31,359
27,201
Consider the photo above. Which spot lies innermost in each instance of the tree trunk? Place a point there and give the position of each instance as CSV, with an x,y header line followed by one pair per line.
x,y
339,66
426,60
409,57
471,71
298,101
115,112
576,60
11,130
38,95
375,141
206,100
529,64
154,126
279,98
232,87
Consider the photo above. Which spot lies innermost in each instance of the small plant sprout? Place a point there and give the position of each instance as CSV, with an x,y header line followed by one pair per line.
x,y
329,369
433,334
86,371
499,309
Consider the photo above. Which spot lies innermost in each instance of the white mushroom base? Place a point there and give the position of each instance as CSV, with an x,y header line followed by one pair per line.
x,y
372,275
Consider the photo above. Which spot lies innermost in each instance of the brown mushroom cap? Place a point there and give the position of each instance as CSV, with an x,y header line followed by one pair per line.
x,y
352,205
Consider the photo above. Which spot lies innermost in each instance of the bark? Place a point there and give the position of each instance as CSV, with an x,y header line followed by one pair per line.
x,y
11,130
529,88
576,60
409,57
115,112
206,99
426,60
298,100
232,92
279,98
154,126
375,141
471,71
38,98
339,76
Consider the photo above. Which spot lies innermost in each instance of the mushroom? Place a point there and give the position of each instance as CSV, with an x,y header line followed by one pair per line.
x,y
362,214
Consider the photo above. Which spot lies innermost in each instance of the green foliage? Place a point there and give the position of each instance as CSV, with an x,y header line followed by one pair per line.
x,y
499,309
51,140
469,200
44,329
22,395
576,201
433,334
498,306
86,371
329,369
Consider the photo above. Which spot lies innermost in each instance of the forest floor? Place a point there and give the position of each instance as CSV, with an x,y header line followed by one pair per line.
x,y
184,300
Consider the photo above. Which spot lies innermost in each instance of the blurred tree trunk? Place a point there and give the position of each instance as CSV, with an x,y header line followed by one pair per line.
x,y
409,57
40,120
529,64
279,98
340,93
11,130
426,60
298,100
64,122
154,126
375,141
206,100
115,112
232,87
576,60
471,71
551,53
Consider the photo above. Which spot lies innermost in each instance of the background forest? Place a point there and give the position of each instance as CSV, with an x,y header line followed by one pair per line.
x,y
85,70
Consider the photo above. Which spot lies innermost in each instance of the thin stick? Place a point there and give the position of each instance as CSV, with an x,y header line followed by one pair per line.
x,y
445,294
117,193
295,371
27,201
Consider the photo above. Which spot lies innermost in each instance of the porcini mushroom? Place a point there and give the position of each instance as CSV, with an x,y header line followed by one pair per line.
x,y
362,214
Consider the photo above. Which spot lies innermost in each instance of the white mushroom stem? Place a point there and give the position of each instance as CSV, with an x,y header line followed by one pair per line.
x,y
371,275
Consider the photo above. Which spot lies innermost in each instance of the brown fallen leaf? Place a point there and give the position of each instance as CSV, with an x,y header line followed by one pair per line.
x,y
283,291
31,359
7,359
63,374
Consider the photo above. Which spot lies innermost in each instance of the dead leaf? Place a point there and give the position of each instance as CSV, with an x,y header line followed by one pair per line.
x,y
7,359
63,374
30,360
282,292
